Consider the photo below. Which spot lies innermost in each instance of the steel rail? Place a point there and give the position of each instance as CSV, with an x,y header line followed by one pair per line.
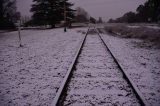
x,y
126,75
61,91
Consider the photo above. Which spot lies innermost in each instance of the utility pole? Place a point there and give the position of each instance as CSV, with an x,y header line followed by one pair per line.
x,y
19,33
65,21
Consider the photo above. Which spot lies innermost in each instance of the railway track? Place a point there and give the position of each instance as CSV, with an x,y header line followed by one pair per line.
x,y
95,77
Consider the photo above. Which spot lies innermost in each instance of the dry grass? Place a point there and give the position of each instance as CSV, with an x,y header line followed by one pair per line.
x,y
140,32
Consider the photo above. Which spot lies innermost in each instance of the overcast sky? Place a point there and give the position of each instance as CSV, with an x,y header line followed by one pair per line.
x,y
96,8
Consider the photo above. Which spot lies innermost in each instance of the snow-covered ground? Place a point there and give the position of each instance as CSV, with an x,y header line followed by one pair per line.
x,y
133,26
31,75
152,27
142,62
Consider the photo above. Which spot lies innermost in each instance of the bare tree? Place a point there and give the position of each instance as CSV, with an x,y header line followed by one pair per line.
x,y
81,15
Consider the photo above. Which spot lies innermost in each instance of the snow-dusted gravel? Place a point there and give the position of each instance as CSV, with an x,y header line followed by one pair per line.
x,y
97,81
142,62
31,75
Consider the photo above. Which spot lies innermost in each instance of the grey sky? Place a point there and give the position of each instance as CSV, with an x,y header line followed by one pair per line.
x,y
96,8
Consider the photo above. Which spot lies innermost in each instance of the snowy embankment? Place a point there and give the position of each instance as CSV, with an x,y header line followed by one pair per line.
x,y
142,62
31,75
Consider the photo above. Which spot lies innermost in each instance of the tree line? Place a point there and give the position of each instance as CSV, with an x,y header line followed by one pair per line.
x,y
149,12
51,12
45,12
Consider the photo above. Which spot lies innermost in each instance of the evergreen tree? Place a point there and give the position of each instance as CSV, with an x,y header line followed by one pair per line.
x,y
50,12
7,13
69,12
